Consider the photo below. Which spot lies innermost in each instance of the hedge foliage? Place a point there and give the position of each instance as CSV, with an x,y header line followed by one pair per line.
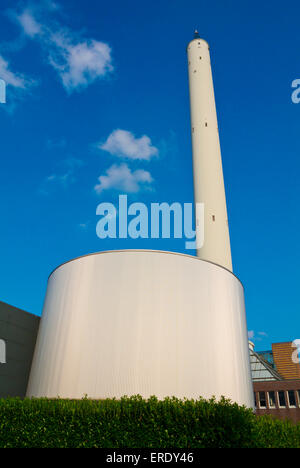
x,y
137,423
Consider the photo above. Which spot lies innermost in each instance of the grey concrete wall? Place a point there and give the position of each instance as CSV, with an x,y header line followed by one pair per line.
x,y
18,332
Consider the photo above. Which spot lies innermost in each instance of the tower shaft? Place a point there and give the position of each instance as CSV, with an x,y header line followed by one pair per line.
x,y
207,163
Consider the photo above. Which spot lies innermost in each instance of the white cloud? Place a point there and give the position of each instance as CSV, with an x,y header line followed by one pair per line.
x,y
13,79
27,21
253,335
123,179
262,333
63,180
18,85
64,177
123,143
78,62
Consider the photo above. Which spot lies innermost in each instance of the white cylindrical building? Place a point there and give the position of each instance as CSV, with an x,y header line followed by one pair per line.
x,y
142,322
207,163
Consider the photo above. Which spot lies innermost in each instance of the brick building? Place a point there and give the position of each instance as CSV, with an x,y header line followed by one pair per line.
x,y
276,381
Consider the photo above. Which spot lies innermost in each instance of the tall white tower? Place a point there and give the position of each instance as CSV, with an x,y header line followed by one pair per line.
x,y
207,162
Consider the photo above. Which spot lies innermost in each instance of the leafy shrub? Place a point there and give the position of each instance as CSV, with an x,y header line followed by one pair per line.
x,y
137,423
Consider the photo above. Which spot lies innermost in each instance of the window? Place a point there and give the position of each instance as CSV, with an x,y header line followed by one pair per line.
x,y
281,399
272,401
262,399
292,399
298,391
255,402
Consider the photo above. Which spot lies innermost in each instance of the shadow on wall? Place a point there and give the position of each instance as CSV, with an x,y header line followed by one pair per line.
x,y
18,332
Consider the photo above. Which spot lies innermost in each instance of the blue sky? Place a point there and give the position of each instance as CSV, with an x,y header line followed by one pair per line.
x,y
78,71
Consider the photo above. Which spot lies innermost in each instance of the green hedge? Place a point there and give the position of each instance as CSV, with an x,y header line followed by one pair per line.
x,y
137,423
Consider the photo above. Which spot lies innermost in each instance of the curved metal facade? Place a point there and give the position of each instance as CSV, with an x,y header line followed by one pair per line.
x,y
142,322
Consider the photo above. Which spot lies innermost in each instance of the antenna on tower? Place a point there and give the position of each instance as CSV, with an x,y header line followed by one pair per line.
x,y
196,34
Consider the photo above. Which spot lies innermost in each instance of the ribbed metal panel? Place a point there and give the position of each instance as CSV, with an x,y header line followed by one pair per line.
x,y
142,322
